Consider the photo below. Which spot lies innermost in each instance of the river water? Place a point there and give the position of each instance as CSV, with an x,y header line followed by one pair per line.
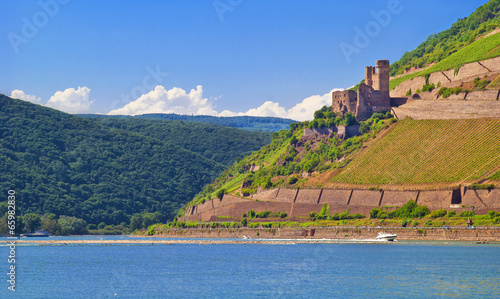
x,y
345,269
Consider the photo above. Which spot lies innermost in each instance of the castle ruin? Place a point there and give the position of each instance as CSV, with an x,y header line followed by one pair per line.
x,y
372,95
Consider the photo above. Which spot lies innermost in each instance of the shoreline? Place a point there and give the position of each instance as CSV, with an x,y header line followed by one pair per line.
x,y
282,236
478,234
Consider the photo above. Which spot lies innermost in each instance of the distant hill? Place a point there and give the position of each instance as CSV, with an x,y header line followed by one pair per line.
x,y
108,170
249,123
219,143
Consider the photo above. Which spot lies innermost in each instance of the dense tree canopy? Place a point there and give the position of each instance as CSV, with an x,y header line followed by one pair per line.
x,y
64,165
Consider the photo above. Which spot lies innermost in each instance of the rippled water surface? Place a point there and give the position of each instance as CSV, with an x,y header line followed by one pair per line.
x,y
362,270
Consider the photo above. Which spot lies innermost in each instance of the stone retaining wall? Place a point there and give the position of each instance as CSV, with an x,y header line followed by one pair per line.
x,y
356,201
308,196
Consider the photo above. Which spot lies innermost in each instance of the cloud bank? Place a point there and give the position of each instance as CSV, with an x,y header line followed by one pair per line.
x,y
177,100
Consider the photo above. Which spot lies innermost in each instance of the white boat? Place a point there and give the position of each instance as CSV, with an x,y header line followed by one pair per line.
x,y
386,236
246,237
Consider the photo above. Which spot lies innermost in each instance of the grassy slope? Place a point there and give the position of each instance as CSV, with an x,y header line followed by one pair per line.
x,y
484,48
428,151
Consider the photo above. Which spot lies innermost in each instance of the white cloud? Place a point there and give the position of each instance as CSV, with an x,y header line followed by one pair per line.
x,y
175,100
19,94
71,100
301,111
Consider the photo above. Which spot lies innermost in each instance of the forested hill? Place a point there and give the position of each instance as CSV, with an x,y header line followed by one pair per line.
x,y
441,45
219,143
249,123
64,165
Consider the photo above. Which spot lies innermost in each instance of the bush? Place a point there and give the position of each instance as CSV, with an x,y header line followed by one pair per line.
x,y
374,213
452,213
404,223
292,180
251,214
414,223
465,214
325,210
245,191
283,215
253,225
220,193
428,223
438,213
492,214
312,214
496,220
264,214
481,186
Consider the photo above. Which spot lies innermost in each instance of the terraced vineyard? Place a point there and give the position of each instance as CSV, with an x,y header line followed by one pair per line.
x,y
428,151
481,49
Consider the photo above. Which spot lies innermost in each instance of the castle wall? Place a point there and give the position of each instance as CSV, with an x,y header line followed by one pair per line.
x,y
344,101
319,131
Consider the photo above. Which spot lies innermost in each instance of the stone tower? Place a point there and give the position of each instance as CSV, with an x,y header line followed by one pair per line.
x,y
369,71
382,78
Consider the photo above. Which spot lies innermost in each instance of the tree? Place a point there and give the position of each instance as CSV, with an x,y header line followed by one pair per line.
x,y
136,221
32,222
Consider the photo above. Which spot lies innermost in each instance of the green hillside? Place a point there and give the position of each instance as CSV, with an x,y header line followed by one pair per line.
x,y
77,171
219,143
484,48
428,151
440,46
290,155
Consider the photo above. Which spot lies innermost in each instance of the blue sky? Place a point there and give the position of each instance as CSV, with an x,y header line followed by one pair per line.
x,y
219,57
